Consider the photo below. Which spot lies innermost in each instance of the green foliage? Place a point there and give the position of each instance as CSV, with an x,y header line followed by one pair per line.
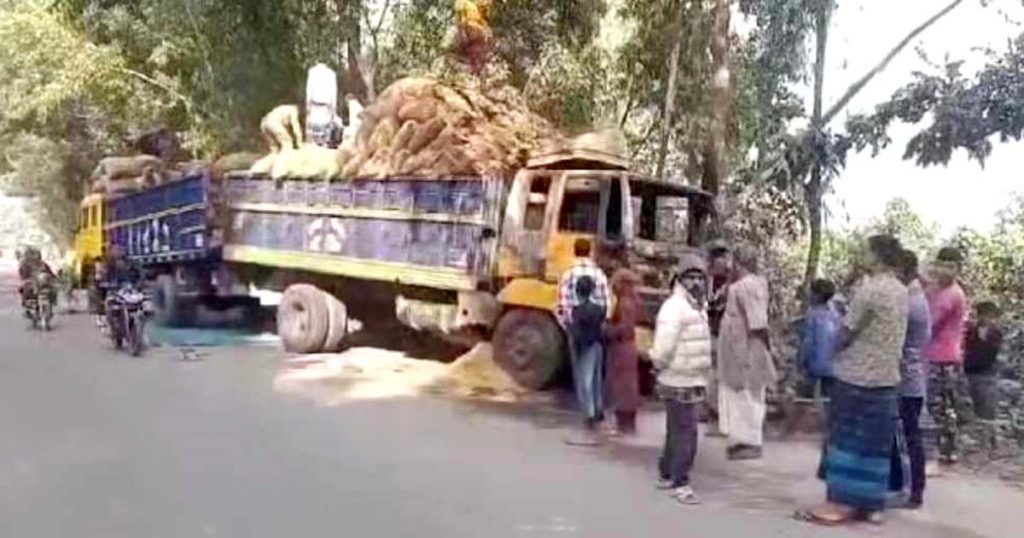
x,y
45,65
643,65
962,112
64,102
524,29
421,36
39,165
567,87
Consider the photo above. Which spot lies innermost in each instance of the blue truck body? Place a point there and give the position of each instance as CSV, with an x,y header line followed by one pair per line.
x,y
438,232
168,224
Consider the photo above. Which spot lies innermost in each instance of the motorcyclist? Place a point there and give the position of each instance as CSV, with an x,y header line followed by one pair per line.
x,y
116,271
30,265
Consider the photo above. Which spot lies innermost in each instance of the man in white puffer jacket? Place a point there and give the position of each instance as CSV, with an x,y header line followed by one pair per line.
x,y
681,354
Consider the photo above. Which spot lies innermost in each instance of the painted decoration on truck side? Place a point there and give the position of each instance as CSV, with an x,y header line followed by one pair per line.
x,y
166,223
447,223
326,234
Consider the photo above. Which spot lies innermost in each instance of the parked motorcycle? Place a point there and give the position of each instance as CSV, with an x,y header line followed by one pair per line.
x,y
38,301
127,311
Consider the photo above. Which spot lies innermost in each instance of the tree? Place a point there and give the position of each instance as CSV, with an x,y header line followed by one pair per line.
x,y
64,102
814,157
964,112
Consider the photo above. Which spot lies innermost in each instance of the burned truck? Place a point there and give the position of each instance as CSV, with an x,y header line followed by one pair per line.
x,y
455,255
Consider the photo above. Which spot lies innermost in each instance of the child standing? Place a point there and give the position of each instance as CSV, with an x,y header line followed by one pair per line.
x,y
821,334
982,345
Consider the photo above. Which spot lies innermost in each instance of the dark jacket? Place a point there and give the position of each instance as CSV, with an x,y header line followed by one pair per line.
x,y
980,354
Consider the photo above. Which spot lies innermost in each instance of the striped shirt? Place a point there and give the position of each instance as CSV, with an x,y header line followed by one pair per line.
x,y
567,299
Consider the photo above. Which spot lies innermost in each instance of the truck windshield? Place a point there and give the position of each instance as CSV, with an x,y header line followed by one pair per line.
x,y
662,215
581,207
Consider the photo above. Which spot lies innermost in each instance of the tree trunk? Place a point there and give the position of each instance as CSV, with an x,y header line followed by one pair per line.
x,y
814,185
351,26
714,152
670,95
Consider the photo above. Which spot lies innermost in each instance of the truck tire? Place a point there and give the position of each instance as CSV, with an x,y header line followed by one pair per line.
x,y
528,345
337,322
166,301
302,319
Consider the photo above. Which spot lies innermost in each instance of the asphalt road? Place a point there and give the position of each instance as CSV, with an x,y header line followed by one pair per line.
x,y
97,444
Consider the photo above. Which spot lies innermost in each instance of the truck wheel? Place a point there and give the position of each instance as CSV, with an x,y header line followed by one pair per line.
x,y
166,301
302,319
528,345
337,322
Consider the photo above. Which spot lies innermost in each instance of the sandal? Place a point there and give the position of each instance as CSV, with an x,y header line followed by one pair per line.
x,y
685,495
809,516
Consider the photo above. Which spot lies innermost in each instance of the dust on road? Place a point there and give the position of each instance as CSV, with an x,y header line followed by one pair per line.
x,y
364,373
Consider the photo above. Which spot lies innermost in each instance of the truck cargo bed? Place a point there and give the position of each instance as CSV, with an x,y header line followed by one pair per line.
x,y
167,223
433,232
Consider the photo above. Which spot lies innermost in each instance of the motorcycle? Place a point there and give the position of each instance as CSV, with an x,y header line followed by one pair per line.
x,y
127,312
38,301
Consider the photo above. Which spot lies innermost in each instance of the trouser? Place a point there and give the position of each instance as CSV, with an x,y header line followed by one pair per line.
x,y
984,395
588,378
942,405
680,447
910,417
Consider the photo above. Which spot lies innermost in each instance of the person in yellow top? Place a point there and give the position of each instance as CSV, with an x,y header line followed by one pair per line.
x,y
473,38
472,13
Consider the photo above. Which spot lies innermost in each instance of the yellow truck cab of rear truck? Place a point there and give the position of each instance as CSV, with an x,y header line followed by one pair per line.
x,y
89,239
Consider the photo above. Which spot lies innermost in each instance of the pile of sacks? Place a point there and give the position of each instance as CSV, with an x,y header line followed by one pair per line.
x,y
422,127
115,175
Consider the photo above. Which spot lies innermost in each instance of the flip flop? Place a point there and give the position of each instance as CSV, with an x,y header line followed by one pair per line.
x,y
808,516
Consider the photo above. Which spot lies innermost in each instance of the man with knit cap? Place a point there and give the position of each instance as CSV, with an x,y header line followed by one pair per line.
x,y
681,355
745,366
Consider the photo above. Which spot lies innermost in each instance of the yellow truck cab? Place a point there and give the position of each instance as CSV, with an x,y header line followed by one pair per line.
x,y
89,239
629,219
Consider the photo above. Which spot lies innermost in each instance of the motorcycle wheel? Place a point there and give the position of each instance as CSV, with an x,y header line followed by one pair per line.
x,y
135,337
116,334
47,316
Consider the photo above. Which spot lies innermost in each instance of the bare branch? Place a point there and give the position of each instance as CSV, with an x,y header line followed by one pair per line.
x,y
383,14
152,81
859,85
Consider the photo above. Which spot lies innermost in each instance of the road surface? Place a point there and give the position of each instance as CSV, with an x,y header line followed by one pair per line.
x,y
97,444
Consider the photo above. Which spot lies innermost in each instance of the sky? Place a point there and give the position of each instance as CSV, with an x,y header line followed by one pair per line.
x,y
962,194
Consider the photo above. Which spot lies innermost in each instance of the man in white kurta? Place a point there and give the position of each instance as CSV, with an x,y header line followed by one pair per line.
x,y
745,367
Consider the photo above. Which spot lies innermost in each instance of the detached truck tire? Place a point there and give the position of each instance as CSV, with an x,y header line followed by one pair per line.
x,y
529,346
337,322
303,319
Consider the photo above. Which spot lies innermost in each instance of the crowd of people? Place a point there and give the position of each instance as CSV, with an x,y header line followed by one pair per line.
x,y
693,325
899,349
889,347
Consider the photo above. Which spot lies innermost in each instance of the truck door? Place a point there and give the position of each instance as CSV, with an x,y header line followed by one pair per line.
x,y
528,219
